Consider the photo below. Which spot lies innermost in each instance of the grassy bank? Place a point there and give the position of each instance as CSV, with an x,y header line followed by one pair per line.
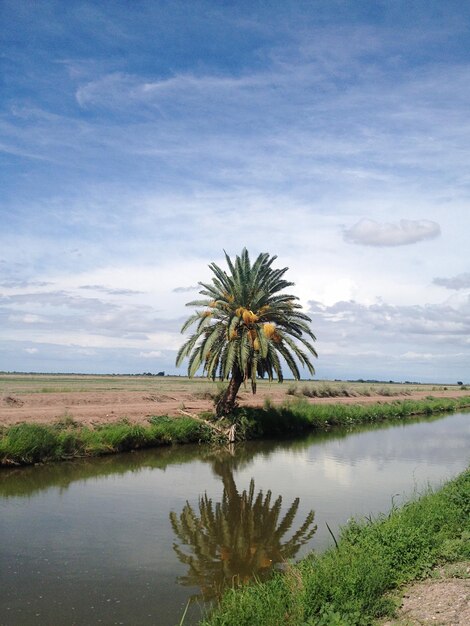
x,y
299,414
33,443
351,584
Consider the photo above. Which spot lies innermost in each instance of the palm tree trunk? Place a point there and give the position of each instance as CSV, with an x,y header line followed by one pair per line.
x,y
228,402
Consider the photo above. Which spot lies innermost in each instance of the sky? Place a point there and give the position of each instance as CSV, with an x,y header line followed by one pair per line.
x,y
138,140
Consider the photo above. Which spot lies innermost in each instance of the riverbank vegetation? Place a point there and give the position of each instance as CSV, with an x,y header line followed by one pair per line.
x,y
352,583
27,443
298,415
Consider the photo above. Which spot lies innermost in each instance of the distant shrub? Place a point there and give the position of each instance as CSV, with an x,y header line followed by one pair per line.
x,y
292,390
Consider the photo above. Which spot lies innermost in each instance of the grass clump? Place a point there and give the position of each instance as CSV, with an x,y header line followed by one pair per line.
x,y
179,430
29,442
326,390
350,585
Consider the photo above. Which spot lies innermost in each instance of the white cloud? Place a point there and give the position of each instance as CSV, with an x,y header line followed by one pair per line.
x,y
418,356
368,232
31,350
186,289
152,354
25,319
461,281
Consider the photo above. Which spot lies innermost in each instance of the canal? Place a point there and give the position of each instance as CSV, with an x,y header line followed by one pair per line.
x,y
131,538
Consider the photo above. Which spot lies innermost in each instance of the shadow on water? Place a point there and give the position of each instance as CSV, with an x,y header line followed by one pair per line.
x,y
236,539
28,480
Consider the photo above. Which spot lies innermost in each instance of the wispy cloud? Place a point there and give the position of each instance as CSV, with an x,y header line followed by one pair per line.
x,y
24,284
118,90
371,233
111,291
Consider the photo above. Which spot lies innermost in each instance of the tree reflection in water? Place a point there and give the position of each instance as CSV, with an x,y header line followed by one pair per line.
x,y
236,539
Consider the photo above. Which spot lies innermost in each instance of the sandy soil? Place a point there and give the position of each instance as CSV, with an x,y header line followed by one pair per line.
x,y
443,600
98,407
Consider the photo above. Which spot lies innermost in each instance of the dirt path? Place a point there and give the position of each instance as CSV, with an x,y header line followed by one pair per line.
x,y
98,407
443,600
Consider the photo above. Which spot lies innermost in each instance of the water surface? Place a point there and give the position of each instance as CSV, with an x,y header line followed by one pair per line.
x,y
129,539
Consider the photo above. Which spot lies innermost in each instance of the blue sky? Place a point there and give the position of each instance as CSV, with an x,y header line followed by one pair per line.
x,y
139,139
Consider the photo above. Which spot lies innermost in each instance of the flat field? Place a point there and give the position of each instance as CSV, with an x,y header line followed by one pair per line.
x,y
94,400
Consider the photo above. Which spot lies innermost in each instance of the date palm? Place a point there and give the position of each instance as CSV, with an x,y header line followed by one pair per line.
x,y
247,325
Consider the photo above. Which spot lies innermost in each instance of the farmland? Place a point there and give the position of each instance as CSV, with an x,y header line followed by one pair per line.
x,y
96,400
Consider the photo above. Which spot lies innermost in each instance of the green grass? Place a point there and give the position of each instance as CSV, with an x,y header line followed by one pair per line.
x,y
299,414
351,585
34,443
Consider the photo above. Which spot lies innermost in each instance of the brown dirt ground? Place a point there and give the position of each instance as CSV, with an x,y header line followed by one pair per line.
x,y
99,407
443,600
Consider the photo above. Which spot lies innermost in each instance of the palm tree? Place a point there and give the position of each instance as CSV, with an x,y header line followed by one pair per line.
x,y
246,325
